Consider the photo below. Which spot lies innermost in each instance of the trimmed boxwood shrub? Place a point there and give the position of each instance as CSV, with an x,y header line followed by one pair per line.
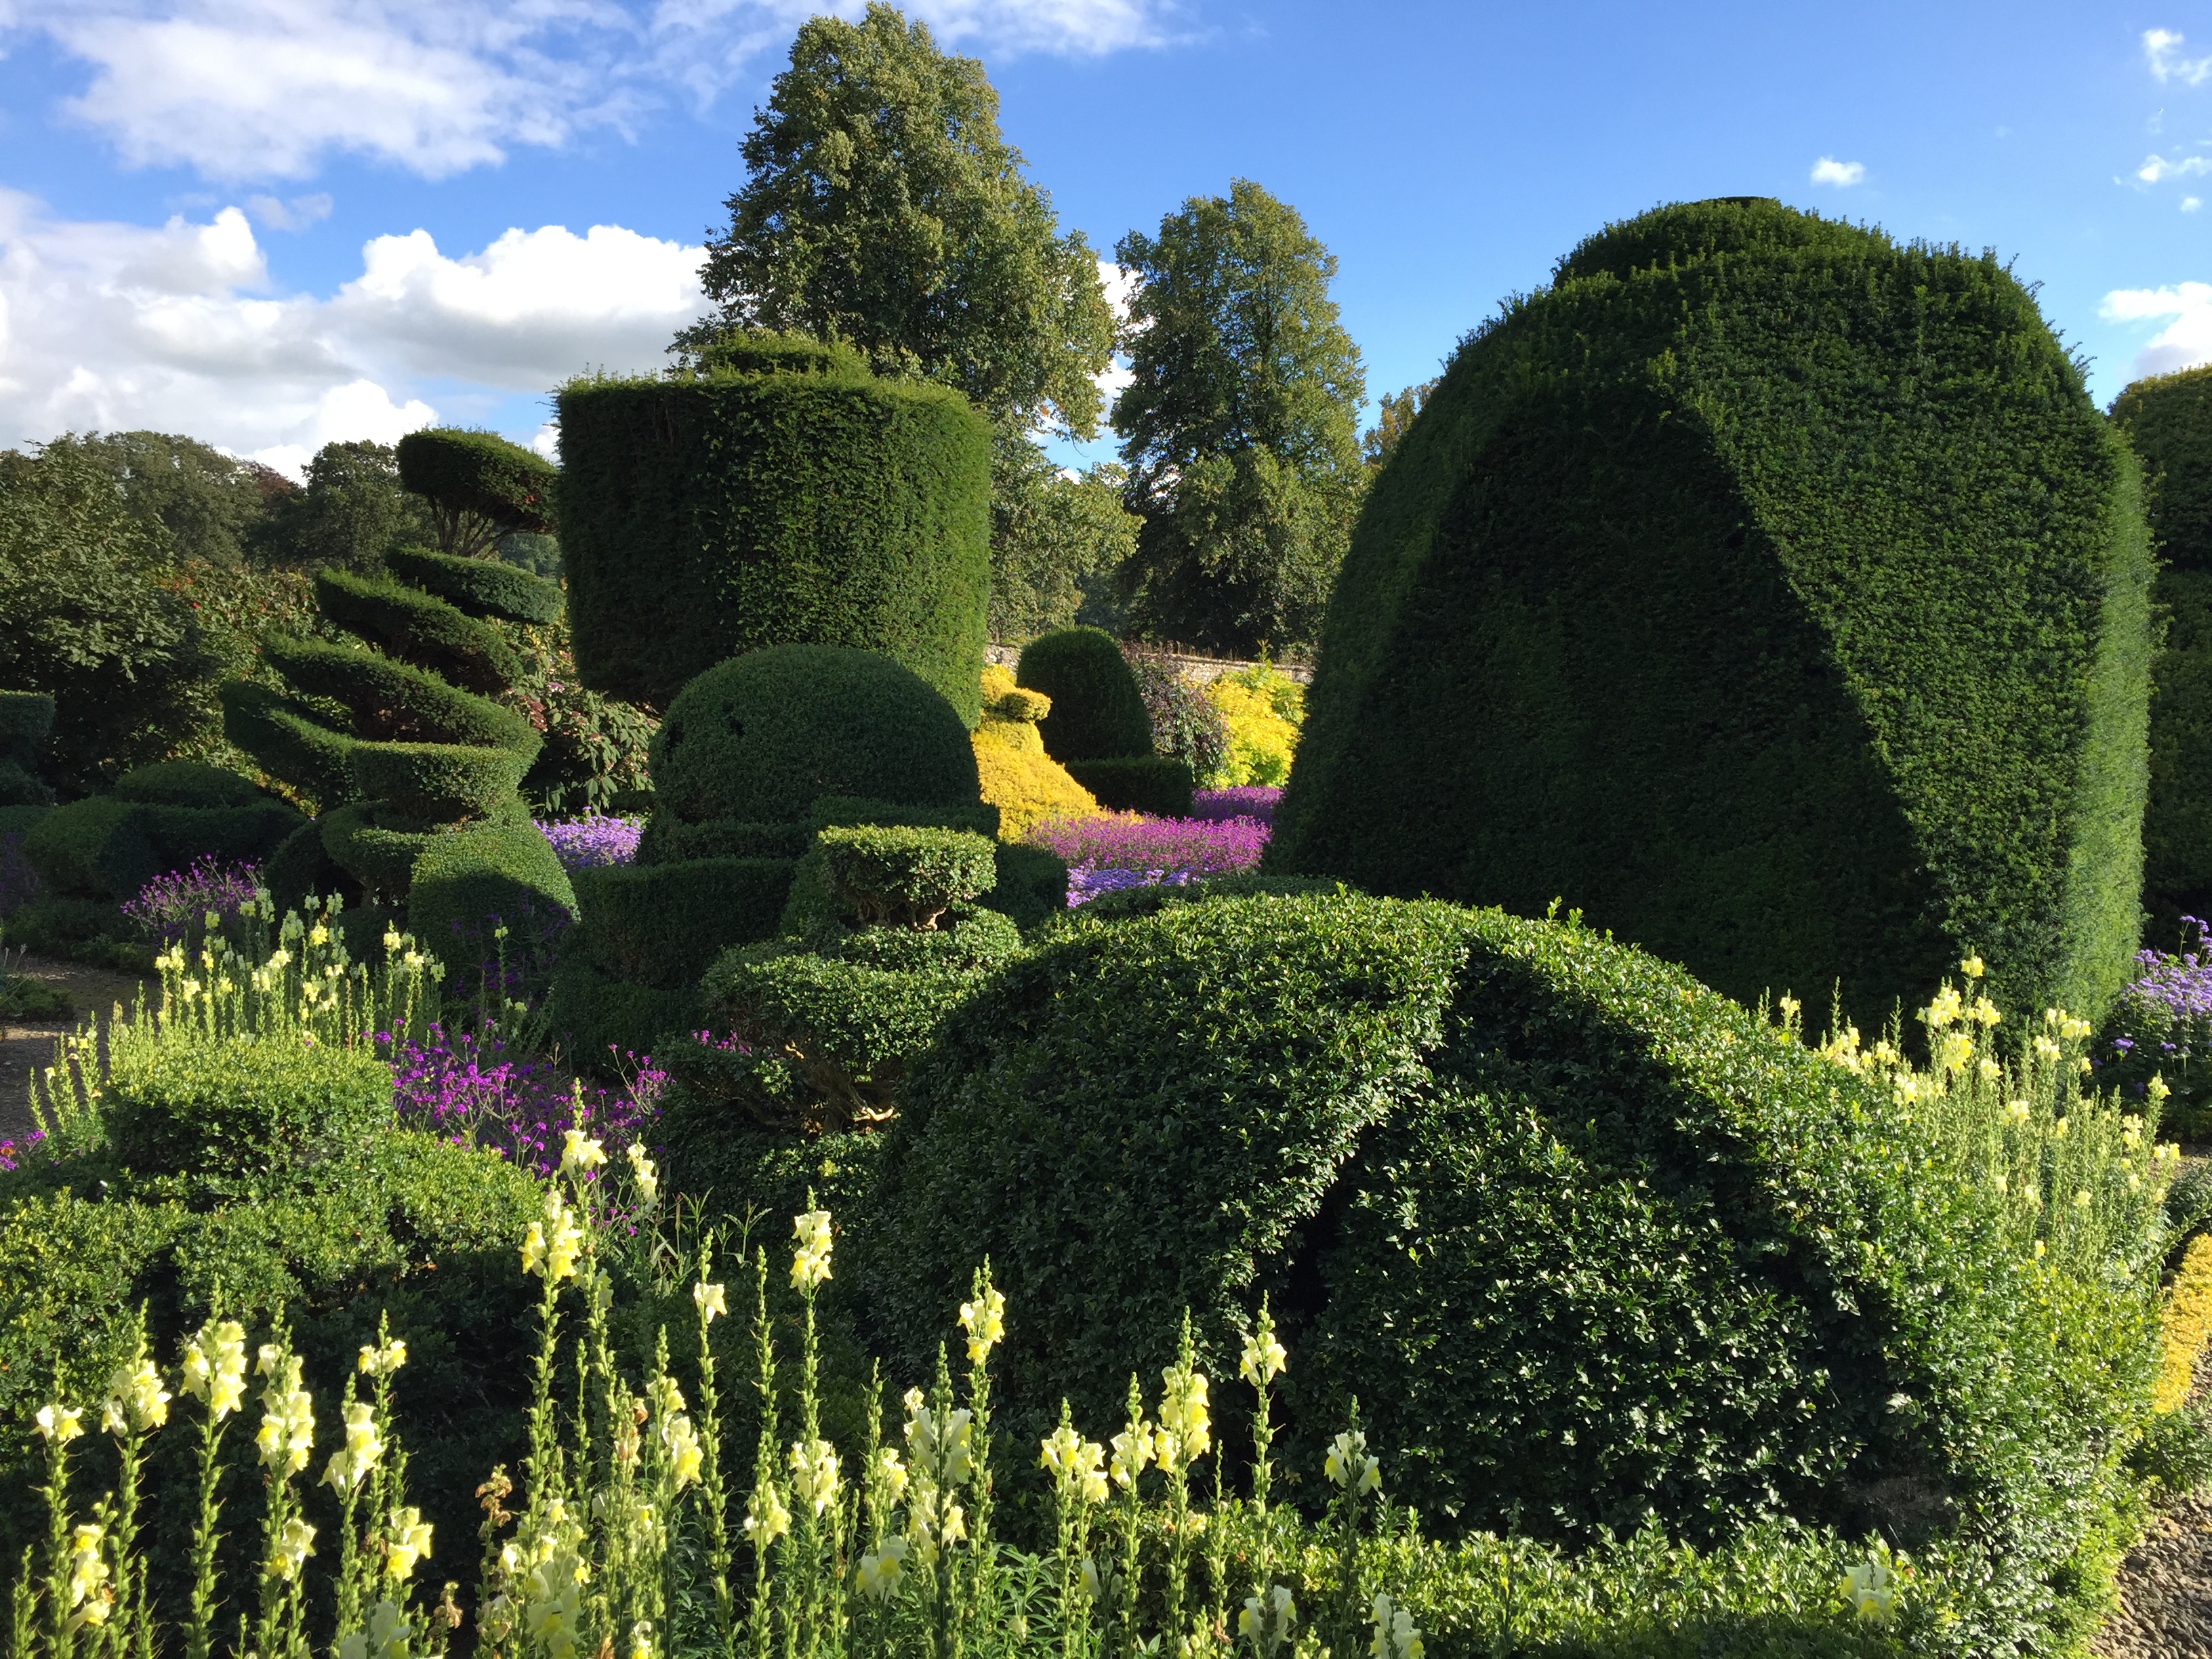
x,y
663,925
2168,419
236,1108
1150,783
705,517
418,628
1097,711
470,880
1774,592
1586,1239
759,739
482,587
480,487
106,847
442,782
187,783
667,840
393,701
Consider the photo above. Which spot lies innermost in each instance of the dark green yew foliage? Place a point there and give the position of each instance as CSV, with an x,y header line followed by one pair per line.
x,y
1585,1239
418,628
1154,784
482,587
480,487
709,516
160,818
26,717
1774,592
1097,711
2168,419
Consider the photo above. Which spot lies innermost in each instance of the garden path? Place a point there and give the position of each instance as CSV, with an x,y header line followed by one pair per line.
x,y
27,1046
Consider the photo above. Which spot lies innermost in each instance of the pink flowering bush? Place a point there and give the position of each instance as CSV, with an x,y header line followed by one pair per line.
x,y
1243,801
1116,850
472,1092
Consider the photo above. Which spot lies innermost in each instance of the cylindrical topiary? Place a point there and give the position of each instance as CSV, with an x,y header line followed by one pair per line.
x,y
760,738
710,515
1097,711
1770,591
2168,419
480,487
419,756
26,717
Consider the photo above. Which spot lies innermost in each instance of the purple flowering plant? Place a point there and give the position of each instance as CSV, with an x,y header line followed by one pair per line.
x,y
593,841
472,1090
2161,1026
1115,850
1244,800
174,909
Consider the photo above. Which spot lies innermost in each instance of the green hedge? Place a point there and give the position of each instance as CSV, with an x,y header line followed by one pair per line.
x,y
285,736
187,783
662,925
759,739
667,840
479,473
706,517
595,1013
441,782
394,701
106,847
1152,783
1097,711
482,587
2168,419
26,717
1774,592
238,1109
470,879
1588,1240
419,628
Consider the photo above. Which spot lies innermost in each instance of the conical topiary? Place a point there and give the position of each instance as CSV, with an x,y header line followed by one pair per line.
x,y
424,752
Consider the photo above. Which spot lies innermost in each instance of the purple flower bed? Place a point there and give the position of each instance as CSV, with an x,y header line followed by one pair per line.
x,y
2161,1026
1084,885
468,1090
173,908
1243,801
1126,841
594,842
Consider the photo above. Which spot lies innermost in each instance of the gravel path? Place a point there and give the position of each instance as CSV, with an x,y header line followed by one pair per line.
x,y
27,1046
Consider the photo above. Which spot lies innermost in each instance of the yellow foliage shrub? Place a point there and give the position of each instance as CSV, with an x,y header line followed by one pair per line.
x,y
2187,1322
1260,740
1026,784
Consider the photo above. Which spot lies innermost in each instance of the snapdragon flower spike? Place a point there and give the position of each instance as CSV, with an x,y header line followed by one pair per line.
x,y
984,1320
809,1262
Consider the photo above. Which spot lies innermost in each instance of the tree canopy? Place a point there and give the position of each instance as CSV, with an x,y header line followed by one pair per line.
x,y
1392,414
352,509
1048,532
198,502
1239,427
883,206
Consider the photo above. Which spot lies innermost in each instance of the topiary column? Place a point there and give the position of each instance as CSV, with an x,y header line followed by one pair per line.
x,y
779,494
1774,593
1099,728
417,784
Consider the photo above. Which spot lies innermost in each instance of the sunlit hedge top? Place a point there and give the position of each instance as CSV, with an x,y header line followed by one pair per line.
x,y
1770,590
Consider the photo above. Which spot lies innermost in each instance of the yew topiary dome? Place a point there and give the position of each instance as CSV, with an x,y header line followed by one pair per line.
x,y
1770,591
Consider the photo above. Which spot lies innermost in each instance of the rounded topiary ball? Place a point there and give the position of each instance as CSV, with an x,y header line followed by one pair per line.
x,y
762,736
1097,711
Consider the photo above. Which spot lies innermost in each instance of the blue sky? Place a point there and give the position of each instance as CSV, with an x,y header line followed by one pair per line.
x,y
273,222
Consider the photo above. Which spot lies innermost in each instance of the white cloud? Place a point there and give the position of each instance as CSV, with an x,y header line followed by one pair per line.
x,y
2191,203
2187,339
269,89
2156,167
1829,171
2162,51
115,326
297,214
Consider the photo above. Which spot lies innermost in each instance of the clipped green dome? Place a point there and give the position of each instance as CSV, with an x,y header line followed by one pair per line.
x,y
760,737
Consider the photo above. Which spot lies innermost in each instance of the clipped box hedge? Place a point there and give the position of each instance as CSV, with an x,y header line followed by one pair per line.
x,y
108,846
482,587
1772,591
1587,1241
1154,784
419,628
705,517
661,925
1097,711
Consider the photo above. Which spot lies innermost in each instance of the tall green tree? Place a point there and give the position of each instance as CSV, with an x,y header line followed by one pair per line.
x,y
200,502
883,206
1240,427
350,511
1392,414
1050,531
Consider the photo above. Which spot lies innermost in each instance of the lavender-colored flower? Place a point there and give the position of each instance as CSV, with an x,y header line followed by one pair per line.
x,y
172,908
1126,841
1083,885
1243,801
594,841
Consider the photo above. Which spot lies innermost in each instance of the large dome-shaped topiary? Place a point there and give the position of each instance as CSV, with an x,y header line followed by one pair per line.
x,y
760,738
782,495
1772,592
1097,711
1587,1241
2168,418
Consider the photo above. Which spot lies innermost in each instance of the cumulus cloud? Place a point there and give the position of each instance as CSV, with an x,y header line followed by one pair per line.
x,y
244,90
2186,310
114,326
2156,167
297,214
1829,171
2162,51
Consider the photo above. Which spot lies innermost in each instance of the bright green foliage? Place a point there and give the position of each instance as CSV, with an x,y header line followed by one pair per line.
x,y
706,517
393,701
765,351
1098,713
187,783
881,206
350,513
1671,602
288,739
26,717
202,503
758,740
89,619
466,877
895,876
237,1107
1048,532
2168,419
482,587
1584,1237
418,628
442,782
1238,427
1153,784
480,487
1393,414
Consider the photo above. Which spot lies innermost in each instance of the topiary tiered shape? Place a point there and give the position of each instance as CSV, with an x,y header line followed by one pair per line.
x,y
398,741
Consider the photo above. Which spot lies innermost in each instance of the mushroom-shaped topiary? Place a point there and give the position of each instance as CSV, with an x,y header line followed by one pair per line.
x,y
480,487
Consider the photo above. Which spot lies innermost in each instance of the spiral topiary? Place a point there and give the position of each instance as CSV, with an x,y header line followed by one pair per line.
x,y
423,753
